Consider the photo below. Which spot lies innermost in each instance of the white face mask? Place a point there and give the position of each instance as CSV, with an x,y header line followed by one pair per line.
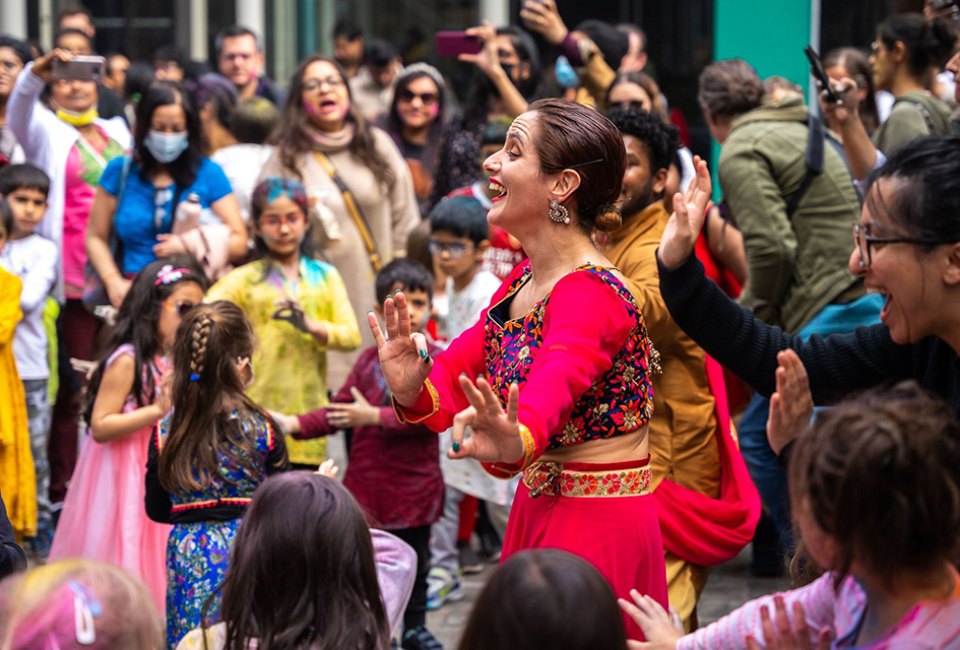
x,y
166,147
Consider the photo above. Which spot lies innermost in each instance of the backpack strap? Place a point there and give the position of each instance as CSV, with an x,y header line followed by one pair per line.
x,y
814,161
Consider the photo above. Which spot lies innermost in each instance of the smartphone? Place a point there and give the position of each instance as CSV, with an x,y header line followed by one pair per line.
x,y
457,43
79,68
816,67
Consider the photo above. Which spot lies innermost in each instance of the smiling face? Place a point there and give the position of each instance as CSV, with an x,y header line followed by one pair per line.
x,y
325,98
418,103
522,189
185,295
907,275
73,95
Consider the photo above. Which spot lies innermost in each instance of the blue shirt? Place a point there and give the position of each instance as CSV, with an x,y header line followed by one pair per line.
x,y
144,211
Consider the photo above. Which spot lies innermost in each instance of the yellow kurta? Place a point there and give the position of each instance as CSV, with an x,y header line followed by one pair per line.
x,y
290,366
17,482
683,445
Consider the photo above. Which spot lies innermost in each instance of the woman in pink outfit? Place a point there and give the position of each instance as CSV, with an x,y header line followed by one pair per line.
x,y
103,516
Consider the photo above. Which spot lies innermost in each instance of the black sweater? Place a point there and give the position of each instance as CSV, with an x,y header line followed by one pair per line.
x,y
837,364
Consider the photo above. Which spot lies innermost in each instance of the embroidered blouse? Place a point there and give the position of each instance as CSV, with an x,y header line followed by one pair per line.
x,y
231,488
581,357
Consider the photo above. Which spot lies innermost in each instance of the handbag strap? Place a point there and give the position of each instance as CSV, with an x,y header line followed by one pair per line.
x,y
353,208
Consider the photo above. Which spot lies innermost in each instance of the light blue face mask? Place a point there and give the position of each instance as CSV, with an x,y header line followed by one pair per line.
x,y
565,74
166,147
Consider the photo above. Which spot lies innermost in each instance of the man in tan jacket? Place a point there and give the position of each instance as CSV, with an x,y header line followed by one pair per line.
x,y
683,431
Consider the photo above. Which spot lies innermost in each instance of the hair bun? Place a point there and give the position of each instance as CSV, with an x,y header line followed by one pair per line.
x,y
609,219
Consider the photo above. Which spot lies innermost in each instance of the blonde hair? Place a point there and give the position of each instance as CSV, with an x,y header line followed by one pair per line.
x,y
38,608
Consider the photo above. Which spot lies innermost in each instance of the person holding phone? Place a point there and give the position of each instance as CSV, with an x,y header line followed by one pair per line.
x,y
905,56
506,77
72,145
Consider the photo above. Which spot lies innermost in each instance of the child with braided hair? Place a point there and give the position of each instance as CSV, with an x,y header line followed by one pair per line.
x,y
103,517
206,459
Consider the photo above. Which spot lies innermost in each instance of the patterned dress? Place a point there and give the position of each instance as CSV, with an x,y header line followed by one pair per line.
x,y
205,522
582,361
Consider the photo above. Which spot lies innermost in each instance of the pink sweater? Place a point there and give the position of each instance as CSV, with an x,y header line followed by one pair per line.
x,y
928,626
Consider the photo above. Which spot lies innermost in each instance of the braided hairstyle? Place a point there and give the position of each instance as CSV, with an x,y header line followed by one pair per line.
x,y
213,421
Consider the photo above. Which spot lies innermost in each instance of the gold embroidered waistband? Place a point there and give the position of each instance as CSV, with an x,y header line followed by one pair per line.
x,y
551,479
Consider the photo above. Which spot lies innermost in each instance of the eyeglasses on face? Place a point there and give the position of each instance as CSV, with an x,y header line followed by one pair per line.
x,y
313,85
863,240
276,220
427,99
453,249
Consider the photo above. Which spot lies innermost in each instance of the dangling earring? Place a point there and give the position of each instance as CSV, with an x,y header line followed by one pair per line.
x,y
558,212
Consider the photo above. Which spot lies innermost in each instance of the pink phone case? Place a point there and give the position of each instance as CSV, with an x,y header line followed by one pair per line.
x,y
456,43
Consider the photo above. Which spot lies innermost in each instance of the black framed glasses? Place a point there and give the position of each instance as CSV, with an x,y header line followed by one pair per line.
x,y
863,240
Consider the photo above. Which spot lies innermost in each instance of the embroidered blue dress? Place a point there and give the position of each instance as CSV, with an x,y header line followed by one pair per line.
x,y
205,522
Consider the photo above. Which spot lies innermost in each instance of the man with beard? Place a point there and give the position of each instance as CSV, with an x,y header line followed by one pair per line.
x,y
708,507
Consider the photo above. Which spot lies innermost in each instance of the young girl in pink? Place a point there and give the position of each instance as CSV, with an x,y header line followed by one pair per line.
x,y
876,498
103,516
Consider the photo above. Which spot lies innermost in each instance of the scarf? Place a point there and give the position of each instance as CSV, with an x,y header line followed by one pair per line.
x,y
329,142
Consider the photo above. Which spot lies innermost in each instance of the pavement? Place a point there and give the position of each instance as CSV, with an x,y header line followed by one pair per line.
x,y
729,586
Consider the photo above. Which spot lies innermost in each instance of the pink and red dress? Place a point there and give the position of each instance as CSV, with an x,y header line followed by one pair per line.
x,y
103,516
582,360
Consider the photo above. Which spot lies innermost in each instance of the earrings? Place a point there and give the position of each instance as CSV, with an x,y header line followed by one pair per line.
x,y
558,212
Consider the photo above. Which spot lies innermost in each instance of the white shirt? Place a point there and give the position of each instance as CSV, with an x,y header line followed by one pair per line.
x,y
34,260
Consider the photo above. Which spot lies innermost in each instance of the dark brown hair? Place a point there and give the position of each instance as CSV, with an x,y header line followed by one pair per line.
x,y
211,412
302,570
880,475
292,136
571,136
545,598
729,88
928,43
855,64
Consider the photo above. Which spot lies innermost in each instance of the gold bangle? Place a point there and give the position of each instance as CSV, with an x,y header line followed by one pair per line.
x,y
529,446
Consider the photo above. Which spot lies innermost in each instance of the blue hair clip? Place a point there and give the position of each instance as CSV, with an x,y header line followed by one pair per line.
x,y
194,376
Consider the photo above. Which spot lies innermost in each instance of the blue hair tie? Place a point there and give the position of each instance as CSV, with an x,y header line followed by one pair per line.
x,y
194,376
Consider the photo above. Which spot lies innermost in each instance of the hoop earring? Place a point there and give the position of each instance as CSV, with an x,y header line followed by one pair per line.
x,y
558,212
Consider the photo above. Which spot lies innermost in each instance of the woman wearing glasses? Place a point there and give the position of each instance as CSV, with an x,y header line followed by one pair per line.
x,y
415,122
138,197
905,57
358,184
906,249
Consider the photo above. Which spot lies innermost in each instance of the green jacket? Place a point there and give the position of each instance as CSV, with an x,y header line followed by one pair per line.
x,y
797,265
913,115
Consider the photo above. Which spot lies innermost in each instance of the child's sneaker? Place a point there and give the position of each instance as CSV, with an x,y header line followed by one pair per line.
x,y
441,588
420,638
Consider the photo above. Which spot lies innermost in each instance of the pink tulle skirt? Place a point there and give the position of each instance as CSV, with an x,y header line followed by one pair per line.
x,y
104,518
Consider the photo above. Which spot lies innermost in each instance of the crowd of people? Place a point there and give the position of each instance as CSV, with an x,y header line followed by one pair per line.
x,y
543,340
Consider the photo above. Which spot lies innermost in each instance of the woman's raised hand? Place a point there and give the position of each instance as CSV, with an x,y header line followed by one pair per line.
x,y
542,16
487,60
403,355
494,433
689,211
43,67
